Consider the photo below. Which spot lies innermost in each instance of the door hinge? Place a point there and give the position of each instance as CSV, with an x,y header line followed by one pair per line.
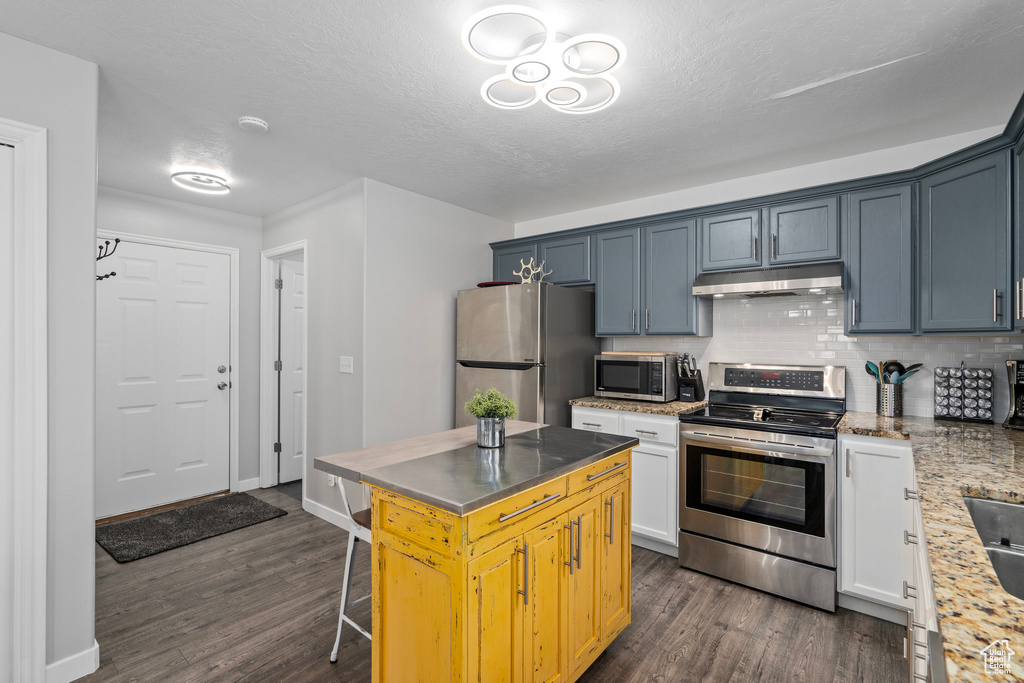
x,y
277,447
278,283
278,366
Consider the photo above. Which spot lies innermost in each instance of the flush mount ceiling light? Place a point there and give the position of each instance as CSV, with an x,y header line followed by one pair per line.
x,y
201,181
570,75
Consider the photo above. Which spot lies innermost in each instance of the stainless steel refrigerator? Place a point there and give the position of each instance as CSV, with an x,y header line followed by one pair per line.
x,y
534,343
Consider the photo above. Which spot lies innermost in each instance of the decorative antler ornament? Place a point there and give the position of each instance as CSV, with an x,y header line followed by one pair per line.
x,y
528,270
106,250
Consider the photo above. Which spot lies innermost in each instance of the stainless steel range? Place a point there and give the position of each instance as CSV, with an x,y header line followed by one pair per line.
x,y
758,479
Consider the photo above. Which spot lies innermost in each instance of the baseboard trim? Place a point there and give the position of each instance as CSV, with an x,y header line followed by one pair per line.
x,y
248,484
325,513
656,546
74,667
872,608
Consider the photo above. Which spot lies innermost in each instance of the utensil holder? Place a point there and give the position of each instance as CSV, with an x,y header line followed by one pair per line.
x,y
889,400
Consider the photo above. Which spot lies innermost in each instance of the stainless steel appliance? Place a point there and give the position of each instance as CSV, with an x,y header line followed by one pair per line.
x,y
642,376
534,343
1015,374
758,479
815,278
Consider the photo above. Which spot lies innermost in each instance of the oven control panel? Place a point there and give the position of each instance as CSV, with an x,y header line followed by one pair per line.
x,y
792,380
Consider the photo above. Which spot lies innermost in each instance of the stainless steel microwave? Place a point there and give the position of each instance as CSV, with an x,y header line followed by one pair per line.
x,y
640,376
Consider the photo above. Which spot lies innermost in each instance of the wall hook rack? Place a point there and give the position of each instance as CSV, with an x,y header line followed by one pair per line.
x,y
106,250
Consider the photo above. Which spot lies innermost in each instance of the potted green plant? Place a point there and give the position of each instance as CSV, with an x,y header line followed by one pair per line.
x,y
490,409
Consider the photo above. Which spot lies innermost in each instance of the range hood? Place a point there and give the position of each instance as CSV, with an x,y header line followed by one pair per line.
x,y
817,278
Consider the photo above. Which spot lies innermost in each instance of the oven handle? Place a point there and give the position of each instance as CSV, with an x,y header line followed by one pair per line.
x,y
806,453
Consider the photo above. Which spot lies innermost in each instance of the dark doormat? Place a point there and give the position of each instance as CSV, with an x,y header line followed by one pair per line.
x,y
141,537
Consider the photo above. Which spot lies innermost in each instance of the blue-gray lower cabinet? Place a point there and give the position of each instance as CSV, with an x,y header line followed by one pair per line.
x,y
966,247
730,240
880,261
617,289
803,231
568,260
506,260
669,267
1018,223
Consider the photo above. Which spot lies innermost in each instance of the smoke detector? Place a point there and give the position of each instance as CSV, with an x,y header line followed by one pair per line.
x,y
253,124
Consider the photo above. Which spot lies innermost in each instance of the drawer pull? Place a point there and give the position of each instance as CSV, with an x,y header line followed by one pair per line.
x,y
526,574
906,591
569,526
579,535
536,503
611,521
591,424
909,538
645,431
910,495
618,465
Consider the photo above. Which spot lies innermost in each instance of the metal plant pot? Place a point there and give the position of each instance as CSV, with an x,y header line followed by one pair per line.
x,y
490,432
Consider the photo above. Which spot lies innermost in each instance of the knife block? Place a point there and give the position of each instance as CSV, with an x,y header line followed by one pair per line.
x,y
691,389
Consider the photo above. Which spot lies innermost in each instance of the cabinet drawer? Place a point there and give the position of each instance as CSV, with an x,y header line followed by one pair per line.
x,y
615,467
595,420
515,509
649,430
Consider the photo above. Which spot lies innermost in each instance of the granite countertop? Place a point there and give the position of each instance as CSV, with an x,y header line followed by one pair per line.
x,y
670,408
953,460
468,478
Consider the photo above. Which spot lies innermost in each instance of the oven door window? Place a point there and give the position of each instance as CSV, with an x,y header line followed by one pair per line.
x,y
628,377
777,491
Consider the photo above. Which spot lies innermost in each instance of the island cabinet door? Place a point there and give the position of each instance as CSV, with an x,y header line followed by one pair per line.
x,y
495,624
584,616
615,566
545,651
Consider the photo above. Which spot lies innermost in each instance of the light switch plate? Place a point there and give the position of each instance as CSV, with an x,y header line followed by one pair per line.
x,y
346,364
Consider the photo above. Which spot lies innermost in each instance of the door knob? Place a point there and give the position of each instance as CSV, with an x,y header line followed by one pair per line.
x,y
221,369
222,386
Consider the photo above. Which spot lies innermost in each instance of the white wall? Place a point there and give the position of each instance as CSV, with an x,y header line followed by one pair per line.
x,y
334,226
865,165
53,90
144,215
808,330
419,253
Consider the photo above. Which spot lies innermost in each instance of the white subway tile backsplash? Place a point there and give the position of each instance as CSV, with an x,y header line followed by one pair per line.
x,y
809,330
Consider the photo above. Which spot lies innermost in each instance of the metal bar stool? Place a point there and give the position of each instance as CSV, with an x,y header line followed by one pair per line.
x,y
358,530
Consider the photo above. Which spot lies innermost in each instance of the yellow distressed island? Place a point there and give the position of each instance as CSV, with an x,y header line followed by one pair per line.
x,y
508,564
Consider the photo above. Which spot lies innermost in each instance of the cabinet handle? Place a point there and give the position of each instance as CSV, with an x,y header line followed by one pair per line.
x,y
645,431
591,424
1016,300
847,462
579,534
611,520
569,527
753,247
909,538
1022,297
853,322
526,575
592,477
906,592
647,319
632,325
545,499
995,295
773,246
910,495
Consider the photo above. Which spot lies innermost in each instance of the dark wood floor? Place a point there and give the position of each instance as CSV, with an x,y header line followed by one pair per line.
x,y
261,604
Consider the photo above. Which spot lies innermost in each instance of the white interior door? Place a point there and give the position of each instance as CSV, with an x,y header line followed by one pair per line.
x,y
292,405
162,401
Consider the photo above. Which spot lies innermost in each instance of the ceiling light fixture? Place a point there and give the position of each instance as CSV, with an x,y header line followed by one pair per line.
x,y
253,124
570,75
201,181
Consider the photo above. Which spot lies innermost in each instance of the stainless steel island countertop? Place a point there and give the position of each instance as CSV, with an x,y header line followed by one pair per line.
x,y
468,478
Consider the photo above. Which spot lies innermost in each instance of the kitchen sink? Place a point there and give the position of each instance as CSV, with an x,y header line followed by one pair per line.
x,y
1001,528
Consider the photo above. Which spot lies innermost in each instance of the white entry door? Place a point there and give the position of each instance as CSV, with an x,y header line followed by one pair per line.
x,y
292,404
162,377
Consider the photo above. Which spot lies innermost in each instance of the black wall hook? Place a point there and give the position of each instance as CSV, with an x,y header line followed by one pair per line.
x,y
106,250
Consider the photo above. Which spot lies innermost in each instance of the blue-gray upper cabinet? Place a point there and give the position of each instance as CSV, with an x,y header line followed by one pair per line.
x,y
1018,227
880,261
966,247
803,231
669,267
617,289
568,260
730,240
507,259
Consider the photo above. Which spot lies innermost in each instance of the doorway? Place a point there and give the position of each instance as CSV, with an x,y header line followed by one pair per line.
x,y
283,375
165,350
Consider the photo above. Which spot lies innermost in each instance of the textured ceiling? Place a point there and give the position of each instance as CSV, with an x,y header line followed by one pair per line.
x,y
711,89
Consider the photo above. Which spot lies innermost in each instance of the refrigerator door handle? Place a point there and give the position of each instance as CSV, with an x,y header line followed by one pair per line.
x,y
499,366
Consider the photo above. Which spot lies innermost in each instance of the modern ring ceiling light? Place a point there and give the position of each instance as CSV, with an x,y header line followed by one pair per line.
x,y
201,181
571,75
